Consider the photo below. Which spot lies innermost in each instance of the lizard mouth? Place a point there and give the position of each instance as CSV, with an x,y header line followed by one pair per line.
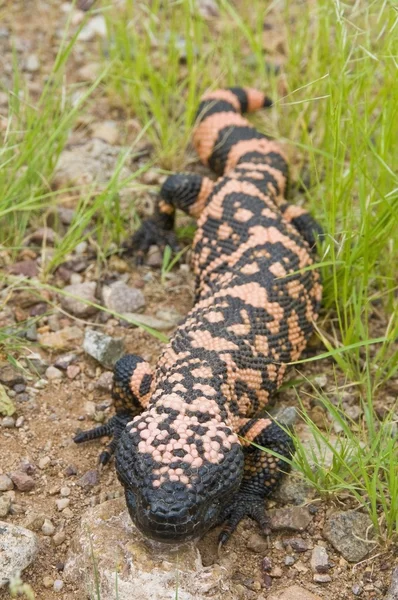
x,y
171,524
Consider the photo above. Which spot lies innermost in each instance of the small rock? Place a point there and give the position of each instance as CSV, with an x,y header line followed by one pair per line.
x,y
44,235
298,544
81,248
58,585
276,572
286,415
321,380
8,422
266,564
28,268
34,521
89,479
357,590
170,315
22,481
65,491
70,471
10,376
122,298
5,505
62,503
72,371
53,373
77,306
6,483
59,538
60,340
32,63
105,381
47,527
296,518
347,532
18,548
44,462
319,560
63,362
107,131
154,257
257,543
105,349
37,364
48,582
95,27
289,561
118,264
322,578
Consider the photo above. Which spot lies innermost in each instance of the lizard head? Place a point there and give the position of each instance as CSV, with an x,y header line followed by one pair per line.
x,y
179,471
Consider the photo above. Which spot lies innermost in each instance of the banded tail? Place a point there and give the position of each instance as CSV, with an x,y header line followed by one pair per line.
x,y
220,126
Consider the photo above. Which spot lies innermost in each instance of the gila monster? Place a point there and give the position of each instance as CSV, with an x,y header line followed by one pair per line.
x,y
187,461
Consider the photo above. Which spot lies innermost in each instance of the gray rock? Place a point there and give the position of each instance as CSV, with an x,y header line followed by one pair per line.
x,y
10,376
320,560
32,63
285,415
89,479
22,481
145,571
257,543
294,491
18,548
53,373
322,578
295,518
77,306
122,298
347,532
8,422
105,349
392,593
5,483
104,381
5,505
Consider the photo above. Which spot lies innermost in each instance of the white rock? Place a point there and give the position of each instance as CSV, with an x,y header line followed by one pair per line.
x,y
18,548
95,27
144,572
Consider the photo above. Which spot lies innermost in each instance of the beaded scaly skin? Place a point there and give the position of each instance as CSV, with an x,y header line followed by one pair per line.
x,y
186,462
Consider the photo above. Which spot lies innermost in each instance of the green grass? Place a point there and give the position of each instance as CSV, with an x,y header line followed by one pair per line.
x,y
336,107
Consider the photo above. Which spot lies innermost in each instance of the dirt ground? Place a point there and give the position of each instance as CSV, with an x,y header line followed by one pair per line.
x,y
51,413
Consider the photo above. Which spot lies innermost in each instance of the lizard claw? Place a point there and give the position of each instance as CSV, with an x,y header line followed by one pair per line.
x,y
242,505
150,233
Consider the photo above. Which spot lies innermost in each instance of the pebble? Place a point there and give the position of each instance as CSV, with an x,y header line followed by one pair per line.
x,y
5,505
95,27
322,578
70,471
107,131
83,292
44,462
59,538
89,479
154,257
6,483
72,371
295,518
10,376
19,422
58,585
18,549
62,503
63,362
48,582
289,561
105,381
63,339
257,543
276,572
47,528
122,298
319,560
105,349
65,491
32,63
22,481
81,248
53,373
347,532
8,422
266,564
298,544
